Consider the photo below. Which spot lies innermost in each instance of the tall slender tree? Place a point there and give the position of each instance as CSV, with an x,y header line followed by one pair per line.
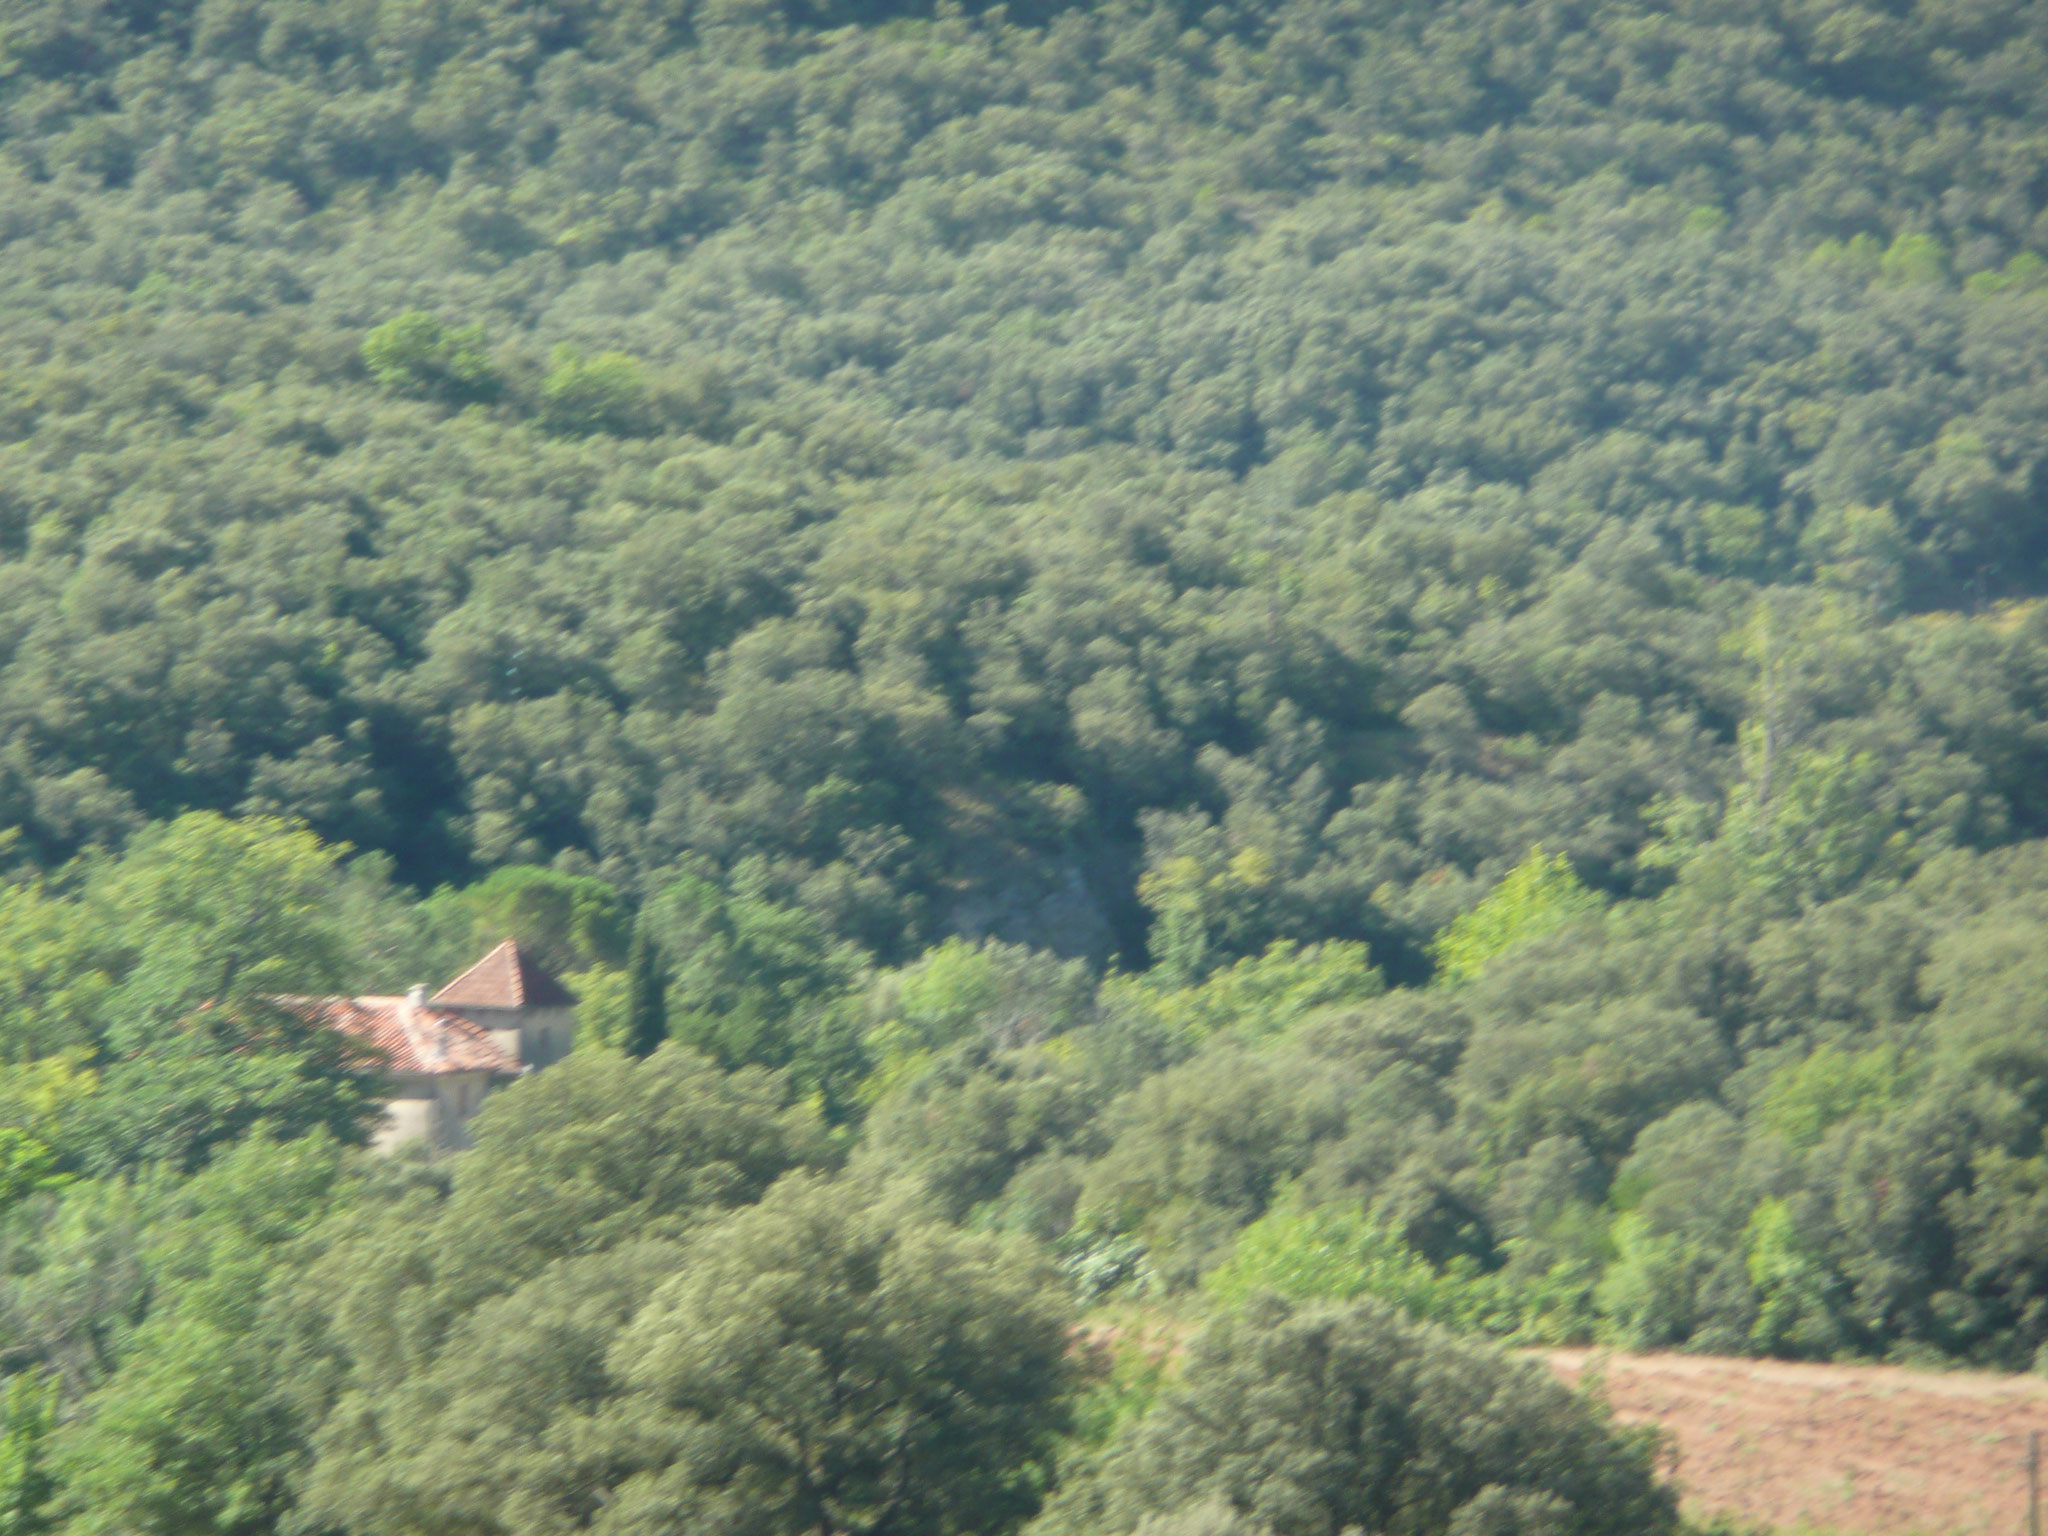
x,y
646,994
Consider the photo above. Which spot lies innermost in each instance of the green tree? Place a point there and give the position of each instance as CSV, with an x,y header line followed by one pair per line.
x,y
1002,994
599,1150
833,1360
566,922
1337,1253
1538,896
1258,997
28,1415
26,1166
646,995
218,922
196,1431
415,354
1203,1148
1321,1418
757,982
605,393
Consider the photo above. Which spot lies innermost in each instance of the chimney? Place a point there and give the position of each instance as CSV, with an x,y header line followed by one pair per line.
x,y
416,995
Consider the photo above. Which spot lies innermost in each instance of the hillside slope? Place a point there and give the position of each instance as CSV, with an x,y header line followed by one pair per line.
x,y
943,469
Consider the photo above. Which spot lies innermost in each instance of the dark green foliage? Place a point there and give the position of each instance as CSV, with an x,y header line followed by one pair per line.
x,y
1255,489
829,1361
623,1147
1393,650
1322,1419
28,1413
646,995
506,1282
759,983
830,1357
170,971
565,922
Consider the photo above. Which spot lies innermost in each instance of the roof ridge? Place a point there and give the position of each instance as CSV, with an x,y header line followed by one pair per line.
x,y
505,978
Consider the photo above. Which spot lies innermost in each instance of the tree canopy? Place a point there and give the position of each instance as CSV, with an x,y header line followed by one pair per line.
x,y
1374,674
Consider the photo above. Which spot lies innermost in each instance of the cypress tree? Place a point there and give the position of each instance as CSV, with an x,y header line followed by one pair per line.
x,y
646,995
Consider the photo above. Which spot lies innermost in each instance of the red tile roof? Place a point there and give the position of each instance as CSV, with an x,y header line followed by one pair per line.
x,y
410,1037
505,978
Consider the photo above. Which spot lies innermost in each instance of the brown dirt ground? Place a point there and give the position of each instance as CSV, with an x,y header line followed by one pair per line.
x,y
1876,1450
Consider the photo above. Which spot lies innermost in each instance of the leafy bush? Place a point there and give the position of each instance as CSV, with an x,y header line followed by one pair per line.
x,y
605,393
415,354
1320,1418
1334,1253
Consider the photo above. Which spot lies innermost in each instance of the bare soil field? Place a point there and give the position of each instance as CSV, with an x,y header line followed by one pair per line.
x,y
1875,1450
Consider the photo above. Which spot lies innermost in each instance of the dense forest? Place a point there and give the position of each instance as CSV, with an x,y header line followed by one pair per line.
x,y
1367,677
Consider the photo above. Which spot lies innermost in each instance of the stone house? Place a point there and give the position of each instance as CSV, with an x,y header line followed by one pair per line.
x,y
527,1013
444,1054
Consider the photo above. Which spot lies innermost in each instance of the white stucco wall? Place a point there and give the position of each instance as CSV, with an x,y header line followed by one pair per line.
x,y
409,1114
435,1109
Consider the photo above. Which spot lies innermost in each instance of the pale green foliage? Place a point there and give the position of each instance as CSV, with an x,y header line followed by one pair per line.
x,y
1130,1353
26,1165
1204,1517
416,354
1537,897
55,972
1804,1099
1858,257
2023,272
1645,1295
1820,829
1823,807
602,1013
214,911
1915,258
39,1098
193,1432
605,393
163,967
1796,1296
1001,994
75,1282
1200,911
1257,997
1340,1252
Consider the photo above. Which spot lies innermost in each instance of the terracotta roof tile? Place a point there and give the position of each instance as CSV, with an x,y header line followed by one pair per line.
x,y
505,978
411,1038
